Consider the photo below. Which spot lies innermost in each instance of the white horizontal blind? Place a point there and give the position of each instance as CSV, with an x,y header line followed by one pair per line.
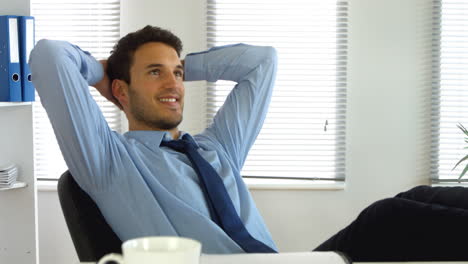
x,y
94,25
450,92
304,132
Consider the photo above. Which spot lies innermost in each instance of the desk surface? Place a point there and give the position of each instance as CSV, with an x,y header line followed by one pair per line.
x,y
291,258
428,262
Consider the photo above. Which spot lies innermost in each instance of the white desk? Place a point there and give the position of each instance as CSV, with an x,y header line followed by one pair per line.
x,y
282,258
429,262
290,258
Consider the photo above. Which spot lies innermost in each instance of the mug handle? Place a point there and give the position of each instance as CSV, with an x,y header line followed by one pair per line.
x,y
111,257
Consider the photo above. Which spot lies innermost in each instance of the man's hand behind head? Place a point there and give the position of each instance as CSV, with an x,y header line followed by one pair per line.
x,y
104,86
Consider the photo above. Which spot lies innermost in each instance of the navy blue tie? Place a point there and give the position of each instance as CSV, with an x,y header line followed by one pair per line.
x,y
220,204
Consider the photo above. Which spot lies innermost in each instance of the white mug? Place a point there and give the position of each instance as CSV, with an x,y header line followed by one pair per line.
x,y
157,250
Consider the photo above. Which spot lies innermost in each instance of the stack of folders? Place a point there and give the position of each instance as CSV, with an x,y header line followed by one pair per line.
x,y
16,43
8,175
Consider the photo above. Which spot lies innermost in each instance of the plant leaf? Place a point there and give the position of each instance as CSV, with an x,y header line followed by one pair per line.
x,y
458,163
465,131
464,171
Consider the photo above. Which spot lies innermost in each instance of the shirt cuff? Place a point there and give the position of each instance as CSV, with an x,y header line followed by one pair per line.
x,y
193,67
96,71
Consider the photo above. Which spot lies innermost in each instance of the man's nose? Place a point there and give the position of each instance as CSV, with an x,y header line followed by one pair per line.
x,y
171,80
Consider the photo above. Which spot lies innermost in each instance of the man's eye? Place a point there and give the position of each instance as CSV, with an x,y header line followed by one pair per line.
x,y
154,72
179,74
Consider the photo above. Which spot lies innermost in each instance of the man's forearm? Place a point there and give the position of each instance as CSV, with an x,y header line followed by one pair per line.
x,y
104,86
231,63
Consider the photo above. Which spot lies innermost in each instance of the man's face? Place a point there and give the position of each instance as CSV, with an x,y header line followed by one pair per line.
x,y
156,90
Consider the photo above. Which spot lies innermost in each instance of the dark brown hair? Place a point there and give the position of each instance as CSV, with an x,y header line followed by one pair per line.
x,y
121,59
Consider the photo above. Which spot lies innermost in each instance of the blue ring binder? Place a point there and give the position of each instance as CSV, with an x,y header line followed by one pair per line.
x,y
10,77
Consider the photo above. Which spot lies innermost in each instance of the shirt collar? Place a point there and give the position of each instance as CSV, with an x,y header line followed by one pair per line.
x,y
152,137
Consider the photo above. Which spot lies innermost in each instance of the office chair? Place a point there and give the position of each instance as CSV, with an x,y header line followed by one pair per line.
x,y
91,235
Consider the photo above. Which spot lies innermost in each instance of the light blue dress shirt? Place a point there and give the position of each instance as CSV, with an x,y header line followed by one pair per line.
x,y
143,189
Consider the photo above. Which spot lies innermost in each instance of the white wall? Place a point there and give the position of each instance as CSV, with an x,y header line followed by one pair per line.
x,y
387,119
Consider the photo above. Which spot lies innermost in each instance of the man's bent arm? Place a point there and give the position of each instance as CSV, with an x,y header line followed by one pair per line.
x,y
62,73
239,120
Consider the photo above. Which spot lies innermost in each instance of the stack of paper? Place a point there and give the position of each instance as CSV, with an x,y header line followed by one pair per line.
x,y
8,175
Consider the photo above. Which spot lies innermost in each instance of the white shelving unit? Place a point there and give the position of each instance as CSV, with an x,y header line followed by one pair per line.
x,y
18,204
15,185
12,104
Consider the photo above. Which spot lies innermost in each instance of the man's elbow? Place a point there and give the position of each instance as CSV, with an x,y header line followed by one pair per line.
x,y
46,52
44,49
268,58
44,61
269,55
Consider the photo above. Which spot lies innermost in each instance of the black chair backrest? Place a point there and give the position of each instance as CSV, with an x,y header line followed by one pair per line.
x,y
91,235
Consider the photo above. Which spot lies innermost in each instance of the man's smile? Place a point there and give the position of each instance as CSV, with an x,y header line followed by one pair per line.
x,y
171,101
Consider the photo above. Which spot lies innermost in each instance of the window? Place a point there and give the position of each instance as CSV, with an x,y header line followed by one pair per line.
x,y
450,88
94,25
304,133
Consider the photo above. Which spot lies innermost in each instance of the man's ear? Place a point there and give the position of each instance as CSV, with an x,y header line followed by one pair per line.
x,y
120,92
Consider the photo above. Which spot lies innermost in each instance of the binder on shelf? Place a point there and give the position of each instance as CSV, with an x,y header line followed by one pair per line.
x,y
10,69
26,40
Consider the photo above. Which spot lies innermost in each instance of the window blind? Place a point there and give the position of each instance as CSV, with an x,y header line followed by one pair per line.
x,y
94,25
303,135
450,88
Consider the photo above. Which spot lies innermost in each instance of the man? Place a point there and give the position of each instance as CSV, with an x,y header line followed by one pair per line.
x,y
145,185
141,187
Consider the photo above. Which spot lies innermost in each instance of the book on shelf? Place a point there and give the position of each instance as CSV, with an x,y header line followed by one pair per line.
x,y
8,174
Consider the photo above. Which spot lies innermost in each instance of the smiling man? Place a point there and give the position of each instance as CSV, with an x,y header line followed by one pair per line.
x,y
153,99
142,185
